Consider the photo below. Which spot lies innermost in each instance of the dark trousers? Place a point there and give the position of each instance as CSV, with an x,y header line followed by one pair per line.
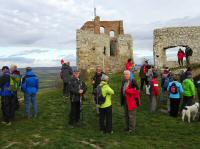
x,y
174,107
180,61
187,60
143,80
16,101
187,101
8,108
105,119
66,88
74,115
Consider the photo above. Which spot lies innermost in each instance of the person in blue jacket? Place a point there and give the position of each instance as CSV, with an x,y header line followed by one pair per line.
x,y
7,97
30,85
175,90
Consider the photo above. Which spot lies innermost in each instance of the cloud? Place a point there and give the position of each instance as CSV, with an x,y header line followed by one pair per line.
x,y
52,24
14,59
28,52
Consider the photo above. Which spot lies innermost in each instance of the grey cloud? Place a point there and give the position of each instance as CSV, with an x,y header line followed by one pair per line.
x,y
28,52
16,59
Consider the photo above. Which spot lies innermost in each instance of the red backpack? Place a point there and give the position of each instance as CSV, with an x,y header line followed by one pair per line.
x,y
155,87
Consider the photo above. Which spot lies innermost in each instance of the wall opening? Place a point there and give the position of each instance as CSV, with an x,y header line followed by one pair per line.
x,y
104,50
102,30
171,52
113,47
112,34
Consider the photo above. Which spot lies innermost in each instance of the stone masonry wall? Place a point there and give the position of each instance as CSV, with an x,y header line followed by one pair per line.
x,y
176,36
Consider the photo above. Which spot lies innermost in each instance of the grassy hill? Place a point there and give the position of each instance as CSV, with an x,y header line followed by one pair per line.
x,y
50,130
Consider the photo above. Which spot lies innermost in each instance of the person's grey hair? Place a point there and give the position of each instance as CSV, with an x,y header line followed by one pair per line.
x,y
127,72
104,78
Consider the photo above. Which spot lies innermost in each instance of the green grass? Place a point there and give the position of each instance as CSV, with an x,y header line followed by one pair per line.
x,y
50,129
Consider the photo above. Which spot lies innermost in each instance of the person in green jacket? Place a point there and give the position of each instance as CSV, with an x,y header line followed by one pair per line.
x,y
189,91
105,109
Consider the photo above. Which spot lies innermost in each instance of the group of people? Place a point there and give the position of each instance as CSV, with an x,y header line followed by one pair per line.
x,y
170,90
11,81
187,54
177,87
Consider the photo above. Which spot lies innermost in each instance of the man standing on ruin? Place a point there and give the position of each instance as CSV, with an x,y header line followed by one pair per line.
x,y
180,55
188,54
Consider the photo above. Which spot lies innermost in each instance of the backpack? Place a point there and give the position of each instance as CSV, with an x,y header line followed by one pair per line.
x,y
190,52
173,88
155,87
99,96
15,83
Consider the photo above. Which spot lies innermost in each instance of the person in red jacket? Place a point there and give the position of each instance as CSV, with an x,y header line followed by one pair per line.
x,y
180,55
154,92
129,64
130,99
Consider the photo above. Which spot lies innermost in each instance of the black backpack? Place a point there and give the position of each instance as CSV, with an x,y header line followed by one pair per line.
x,y
173,88
99,96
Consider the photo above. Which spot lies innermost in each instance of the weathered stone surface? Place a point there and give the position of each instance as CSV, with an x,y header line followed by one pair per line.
x,y
176,36
100,49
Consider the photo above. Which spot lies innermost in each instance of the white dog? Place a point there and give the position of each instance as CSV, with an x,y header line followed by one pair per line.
x,y
189,111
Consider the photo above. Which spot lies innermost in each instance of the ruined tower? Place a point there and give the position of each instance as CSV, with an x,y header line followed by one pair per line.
x,y
103,43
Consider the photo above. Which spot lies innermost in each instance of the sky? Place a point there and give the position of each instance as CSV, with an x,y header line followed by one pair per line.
x,y
42,32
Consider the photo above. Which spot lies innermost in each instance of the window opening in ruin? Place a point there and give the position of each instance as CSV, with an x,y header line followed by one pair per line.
x,y
172,51
113,47
102,30
112,34
104,50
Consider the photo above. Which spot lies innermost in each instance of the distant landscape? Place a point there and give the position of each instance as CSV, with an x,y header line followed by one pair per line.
x,y
48,76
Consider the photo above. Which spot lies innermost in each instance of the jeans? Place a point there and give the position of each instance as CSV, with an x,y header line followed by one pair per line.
x,y
105,119
30,98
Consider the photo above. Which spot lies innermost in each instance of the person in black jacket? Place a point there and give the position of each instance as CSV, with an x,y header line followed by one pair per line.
x,y
66,75
96,80
77,90
7,98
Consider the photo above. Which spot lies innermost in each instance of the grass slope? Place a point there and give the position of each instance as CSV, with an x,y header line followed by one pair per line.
x,y
50,129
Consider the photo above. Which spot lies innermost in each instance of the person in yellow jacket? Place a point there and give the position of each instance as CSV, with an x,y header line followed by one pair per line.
x,y
105,109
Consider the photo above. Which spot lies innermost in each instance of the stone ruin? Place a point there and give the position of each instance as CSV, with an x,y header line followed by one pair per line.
x,y
172,37
103,43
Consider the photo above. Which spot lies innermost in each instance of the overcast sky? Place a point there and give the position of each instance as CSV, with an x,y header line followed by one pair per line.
x,y
41,32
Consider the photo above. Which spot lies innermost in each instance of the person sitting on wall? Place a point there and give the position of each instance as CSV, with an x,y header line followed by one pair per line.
x,y
180,55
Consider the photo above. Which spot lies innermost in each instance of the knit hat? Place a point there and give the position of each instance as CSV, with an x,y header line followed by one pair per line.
x,y
104,78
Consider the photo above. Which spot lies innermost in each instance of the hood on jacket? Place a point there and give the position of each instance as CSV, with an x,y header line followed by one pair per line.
x,y
30,73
